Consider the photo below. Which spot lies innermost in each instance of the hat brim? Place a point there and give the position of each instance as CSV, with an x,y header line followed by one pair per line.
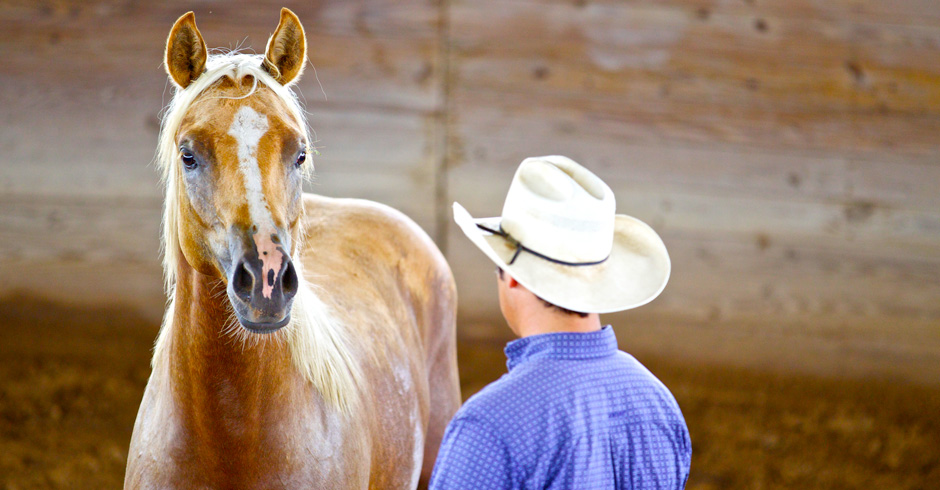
x,y
635,273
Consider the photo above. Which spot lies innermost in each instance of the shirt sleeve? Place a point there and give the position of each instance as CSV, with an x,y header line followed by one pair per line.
x,y
472,456
657,456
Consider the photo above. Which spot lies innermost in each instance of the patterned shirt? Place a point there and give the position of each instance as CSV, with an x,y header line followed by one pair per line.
x,y
572,412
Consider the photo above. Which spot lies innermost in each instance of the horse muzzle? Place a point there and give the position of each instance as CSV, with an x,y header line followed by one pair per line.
x,y
262,281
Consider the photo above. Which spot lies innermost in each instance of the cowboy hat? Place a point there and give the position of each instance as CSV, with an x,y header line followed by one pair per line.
x,y
559,237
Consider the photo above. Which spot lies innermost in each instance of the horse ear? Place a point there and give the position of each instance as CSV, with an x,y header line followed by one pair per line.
x,y
286,53
185,51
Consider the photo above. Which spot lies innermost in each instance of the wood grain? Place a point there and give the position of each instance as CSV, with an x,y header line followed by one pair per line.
x,y
787,151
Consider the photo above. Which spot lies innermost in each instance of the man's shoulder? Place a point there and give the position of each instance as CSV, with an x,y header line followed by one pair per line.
x,y
548,388
544,380
498,395
643,395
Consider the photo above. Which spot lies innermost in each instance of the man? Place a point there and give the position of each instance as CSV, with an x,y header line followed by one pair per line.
x,y
573,411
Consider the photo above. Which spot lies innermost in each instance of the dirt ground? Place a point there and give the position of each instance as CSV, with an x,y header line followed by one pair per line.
x,y
71,381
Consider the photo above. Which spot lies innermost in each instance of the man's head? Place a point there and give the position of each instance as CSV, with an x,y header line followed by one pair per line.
x,y
560,238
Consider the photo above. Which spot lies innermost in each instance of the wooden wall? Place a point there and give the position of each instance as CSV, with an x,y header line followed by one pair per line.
x,y
787,151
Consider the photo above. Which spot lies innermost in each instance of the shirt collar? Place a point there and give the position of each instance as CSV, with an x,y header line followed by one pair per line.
x,y
565,345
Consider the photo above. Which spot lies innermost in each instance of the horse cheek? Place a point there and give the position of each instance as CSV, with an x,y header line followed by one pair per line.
x,y
197,245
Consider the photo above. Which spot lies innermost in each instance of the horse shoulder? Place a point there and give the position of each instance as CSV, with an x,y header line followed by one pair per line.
x,y
387,235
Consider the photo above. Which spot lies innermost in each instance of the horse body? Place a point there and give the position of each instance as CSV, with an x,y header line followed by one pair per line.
x,y
309,341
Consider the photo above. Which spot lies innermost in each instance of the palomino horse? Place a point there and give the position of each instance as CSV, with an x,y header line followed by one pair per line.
x,y
308,342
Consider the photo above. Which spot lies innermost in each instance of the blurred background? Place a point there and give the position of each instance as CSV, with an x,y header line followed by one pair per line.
x,y
786,151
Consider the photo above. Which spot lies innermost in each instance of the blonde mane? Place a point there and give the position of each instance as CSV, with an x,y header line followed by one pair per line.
x,y
320,349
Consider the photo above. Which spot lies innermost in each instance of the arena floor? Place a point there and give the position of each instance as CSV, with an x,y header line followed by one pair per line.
x,y
71,381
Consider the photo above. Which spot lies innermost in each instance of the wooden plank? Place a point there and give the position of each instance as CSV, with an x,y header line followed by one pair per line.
x,y
783,277
370,140
103,231
723,278
659,52
752,345
884,181
390,18
96,143
896,182
811,80
389,157
845,350
399,74
896,68
492,139
901,12
404,192
859,135
83,251
860,226
126,285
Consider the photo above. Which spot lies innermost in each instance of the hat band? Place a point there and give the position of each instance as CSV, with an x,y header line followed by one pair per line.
x,y
520,247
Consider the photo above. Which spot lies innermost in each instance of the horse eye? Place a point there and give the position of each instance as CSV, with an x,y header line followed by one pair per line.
x,y
301,158
189,160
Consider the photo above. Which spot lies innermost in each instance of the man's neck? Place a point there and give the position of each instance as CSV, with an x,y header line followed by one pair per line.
x,y
527,314
552,321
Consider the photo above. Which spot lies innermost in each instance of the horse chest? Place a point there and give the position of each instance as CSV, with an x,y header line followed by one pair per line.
x,y
307,458
225,445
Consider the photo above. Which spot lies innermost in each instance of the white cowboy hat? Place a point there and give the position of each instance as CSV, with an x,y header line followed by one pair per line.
x,y
559,237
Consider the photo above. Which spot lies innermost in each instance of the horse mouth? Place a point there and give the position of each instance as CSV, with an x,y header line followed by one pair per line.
x,y
264,327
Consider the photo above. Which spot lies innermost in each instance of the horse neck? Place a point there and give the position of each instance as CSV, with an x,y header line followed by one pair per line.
x,y
217,374
236,407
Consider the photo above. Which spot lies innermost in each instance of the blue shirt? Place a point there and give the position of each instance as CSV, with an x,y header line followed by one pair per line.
x,y
572,412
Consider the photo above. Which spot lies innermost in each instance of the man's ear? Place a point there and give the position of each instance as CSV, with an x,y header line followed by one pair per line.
x,y
185,51
286,53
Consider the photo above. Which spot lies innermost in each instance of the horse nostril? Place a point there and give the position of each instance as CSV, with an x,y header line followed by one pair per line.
x,y
289,282
242,281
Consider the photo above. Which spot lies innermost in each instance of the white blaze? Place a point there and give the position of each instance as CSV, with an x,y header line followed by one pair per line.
x,y
248,127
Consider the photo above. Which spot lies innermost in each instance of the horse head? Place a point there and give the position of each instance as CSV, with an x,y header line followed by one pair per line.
x,y
236,166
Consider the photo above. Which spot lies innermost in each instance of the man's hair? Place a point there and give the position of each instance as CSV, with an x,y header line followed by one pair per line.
x,y
547,304
563,310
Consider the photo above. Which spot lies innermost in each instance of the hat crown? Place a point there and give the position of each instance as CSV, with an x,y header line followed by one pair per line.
x,y
560,209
